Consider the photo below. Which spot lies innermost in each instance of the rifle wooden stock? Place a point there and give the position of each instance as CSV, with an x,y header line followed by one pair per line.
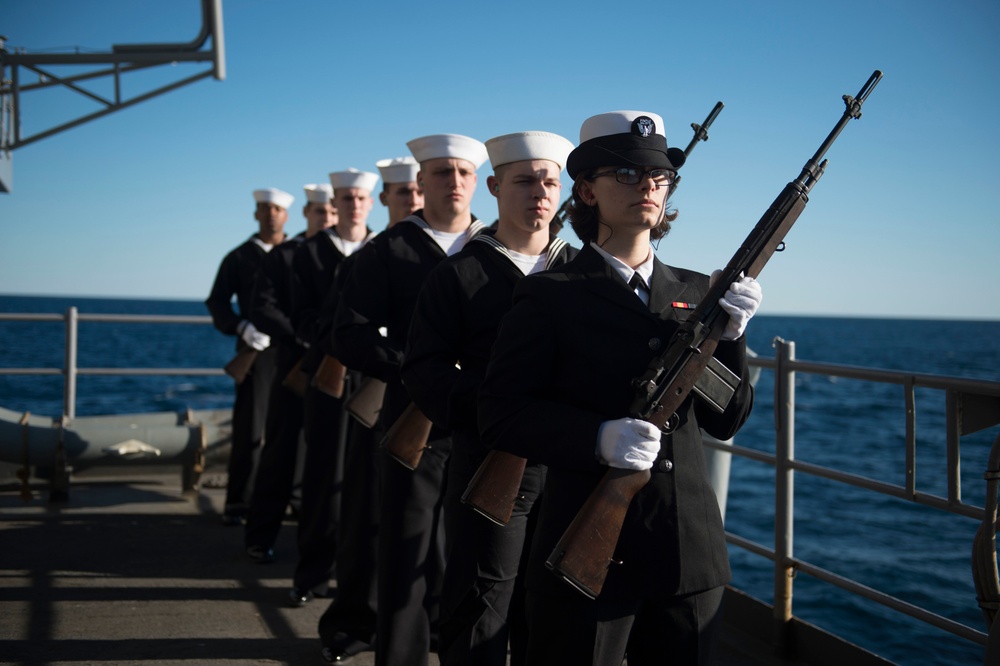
x,y
365,403
494,488
239,367
407,438
329,377
582,555
587,548
296,380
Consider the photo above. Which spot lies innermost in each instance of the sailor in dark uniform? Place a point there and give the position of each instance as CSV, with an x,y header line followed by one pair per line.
x,y
347,627
271,312
380,293
401,194
314,267
236,276
559,387
454,325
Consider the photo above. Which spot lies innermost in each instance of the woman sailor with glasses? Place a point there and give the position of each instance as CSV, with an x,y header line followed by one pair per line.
x,y
558,391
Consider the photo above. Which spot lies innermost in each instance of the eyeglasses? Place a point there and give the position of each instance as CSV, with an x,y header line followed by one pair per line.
x,y
633,176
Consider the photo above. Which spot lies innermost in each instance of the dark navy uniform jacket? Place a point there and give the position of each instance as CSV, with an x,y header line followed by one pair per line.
x,y
237,274
271,306
456,319
381,292
314,268
563,363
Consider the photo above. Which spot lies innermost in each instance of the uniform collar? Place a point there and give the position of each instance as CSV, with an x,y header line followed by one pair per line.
x,y
644,270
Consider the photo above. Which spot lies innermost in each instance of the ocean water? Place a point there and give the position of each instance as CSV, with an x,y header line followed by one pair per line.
x,y
110,345
918,554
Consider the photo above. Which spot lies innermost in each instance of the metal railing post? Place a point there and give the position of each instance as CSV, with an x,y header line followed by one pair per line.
x,y
69,385
953,424
784,491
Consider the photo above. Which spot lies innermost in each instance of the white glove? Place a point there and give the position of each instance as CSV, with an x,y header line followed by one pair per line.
x,y
253,337
740,303
628,443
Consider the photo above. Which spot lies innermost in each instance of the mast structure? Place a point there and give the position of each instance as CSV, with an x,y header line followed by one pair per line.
x,y
120,60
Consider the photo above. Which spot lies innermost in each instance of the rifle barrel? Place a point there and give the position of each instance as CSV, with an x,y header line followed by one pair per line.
x,y
815,166
701,131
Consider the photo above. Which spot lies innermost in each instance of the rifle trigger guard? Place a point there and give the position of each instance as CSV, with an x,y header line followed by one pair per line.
x,y
780,247
670,424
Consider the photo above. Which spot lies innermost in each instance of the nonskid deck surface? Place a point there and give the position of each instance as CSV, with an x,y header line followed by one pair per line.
x,y
130,571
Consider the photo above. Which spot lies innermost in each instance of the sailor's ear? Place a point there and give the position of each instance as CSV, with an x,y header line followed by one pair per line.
x,y
583,190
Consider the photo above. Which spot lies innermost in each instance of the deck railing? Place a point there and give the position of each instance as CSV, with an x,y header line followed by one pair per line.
x,y
971,405
71,370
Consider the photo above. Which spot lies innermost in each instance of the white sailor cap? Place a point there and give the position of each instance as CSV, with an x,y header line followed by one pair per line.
x,y
398,170
521,146
618,138
448,145
272,195
364,180
320,194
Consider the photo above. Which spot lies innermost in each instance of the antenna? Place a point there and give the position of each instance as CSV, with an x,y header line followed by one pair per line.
x,y
122,59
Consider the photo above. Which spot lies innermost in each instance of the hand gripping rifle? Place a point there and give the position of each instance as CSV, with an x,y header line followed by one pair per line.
x,y
493,489
586,549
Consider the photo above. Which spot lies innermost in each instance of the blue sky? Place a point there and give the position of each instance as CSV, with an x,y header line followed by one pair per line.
x,y
146,201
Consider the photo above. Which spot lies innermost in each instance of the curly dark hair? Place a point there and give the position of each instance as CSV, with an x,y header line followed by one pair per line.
x,y
584,219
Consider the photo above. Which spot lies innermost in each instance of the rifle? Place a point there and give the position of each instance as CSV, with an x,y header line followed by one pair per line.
x,y
365,403
700,134
407,438
329,377
296,380
493,489
239,367
587,547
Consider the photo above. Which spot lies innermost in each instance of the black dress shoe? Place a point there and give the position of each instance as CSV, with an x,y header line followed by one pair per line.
x,y
343,649
298,598
260,554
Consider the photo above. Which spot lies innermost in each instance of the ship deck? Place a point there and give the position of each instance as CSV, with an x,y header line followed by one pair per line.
x,y
128,570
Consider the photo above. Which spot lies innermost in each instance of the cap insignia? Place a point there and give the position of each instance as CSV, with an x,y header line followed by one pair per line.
x,y
643,126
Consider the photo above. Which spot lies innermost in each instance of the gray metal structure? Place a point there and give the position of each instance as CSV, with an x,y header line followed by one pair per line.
x,y
120,60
